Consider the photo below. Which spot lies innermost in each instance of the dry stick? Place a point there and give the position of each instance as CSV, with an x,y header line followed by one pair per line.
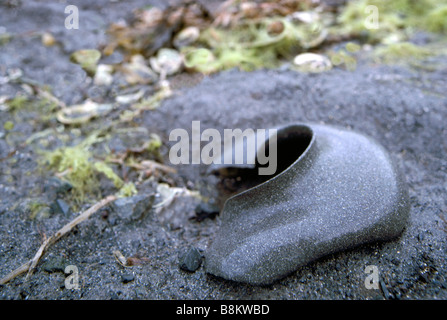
x,y
30,265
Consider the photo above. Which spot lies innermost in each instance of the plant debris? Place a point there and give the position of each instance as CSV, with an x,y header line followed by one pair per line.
x,y
31,264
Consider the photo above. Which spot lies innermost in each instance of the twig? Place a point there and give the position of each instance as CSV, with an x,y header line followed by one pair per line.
x,y
30,265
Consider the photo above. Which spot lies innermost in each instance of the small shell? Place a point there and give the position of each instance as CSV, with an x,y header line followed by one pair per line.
x,y
48,39
186,37
311,62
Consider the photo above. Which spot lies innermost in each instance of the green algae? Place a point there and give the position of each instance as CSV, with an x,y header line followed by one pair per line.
x,y
402,52
251,45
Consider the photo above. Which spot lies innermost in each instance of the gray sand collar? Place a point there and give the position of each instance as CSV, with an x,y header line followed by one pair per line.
x,y
343,190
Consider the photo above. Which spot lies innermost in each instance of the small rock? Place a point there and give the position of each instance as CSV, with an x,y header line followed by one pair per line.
x,y
54,264
133,208
59,206
127,277
190,260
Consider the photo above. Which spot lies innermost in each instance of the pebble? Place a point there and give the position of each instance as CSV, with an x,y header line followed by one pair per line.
x,y
54,264
133,208
127,277
190,260
59,206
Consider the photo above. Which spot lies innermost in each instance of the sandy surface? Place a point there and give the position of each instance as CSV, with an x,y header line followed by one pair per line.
x,y
403,108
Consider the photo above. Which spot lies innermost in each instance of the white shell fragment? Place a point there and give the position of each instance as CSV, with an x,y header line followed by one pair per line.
x,y
82,113
138,72
167,62
311,62
305,16
130,98
103,75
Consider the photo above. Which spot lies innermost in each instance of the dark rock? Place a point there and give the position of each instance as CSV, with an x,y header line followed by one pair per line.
x,y
190,260
206,210
54,264
59,206
336,189
55,186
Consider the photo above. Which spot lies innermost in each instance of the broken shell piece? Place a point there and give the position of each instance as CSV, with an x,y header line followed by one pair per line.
x,y
82,113
314,34
311,62
138,72
103,75
167,62
305,16
120,258
87,59
199,59
130,98
186,37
